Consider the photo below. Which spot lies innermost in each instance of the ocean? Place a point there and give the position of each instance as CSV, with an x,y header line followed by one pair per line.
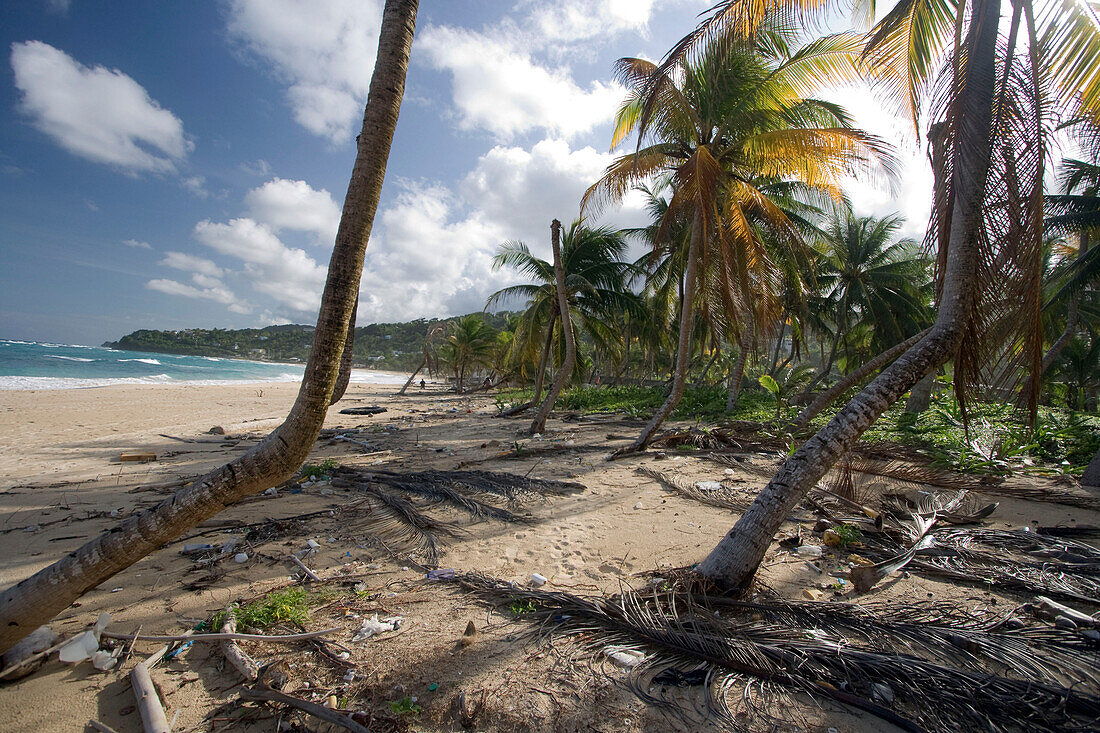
x,y
31,365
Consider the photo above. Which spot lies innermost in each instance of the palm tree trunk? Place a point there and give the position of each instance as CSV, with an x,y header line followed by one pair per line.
x,y
683,350
738,555
1072,318
827,397
32,602
344,377
702,377
738,374
826,367
921,395
539,423
412,376
778,346
544,359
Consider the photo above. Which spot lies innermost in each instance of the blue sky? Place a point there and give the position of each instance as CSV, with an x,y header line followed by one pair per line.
x,y
175,165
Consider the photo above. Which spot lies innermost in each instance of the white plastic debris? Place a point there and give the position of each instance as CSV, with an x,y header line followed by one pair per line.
x,y
85,645
708,485
271,492
538,579
240,558
312,544
809,551
373,626
104,661
79,649
728,472
639,505
627,658
350,676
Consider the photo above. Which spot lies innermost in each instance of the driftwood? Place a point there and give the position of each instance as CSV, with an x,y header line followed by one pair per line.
x,y
317,711
148,702
1050,609
102,728
309,573
35,657
373,410
233,654
223,637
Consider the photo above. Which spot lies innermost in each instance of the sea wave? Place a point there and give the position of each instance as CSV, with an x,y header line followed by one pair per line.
x,y
71,358
143,361
34,383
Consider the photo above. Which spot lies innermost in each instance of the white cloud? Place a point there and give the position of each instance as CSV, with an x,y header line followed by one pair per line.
x,y
137,244
288,275
433,252
96,113
173,287
429,260
196,185
576,20
913,195
501,89
324,51
295,205
260,168
190,263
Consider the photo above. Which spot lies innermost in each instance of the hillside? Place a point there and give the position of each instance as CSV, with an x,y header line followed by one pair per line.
x,y
392,346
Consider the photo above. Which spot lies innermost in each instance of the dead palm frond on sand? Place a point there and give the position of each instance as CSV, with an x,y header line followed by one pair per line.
x,y
921,667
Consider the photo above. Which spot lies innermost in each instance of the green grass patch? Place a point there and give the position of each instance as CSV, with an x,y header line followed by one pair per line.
x,y
322,470
404,706
286,605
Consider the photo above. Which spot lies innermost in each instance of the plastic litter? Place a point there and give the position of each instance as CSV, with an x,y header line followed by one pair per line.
x,y
538,579
271,492
808,551
240,557
85,645
627,658
104,661
440,574
373,626
708,485
313,544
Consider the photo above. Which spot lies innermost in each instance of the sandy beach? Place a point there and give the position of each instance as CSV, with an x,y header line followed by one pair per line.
x,y
61,483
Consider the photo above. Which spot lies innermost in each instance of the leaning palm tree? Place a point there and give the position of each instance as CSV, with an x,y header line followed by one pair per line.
x,y
720,128
597,289
33,601
987,216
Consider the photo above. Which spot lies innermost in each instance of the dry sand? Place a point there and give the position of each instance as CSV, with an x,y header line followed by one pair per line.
x,y
61,484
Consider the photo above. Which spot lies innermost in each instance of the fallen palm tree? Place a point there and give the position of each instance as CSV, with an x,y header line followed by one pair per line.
x,y
919,667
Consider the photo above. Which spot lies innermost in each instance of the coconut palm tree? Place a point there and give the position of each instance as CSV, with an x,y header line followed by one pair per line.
x,y
33,601
597,289
866,277
989,209
471,343
719,128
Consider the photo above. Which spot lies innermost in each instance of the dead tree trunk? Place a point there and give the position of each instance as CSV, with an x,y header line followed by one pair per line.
x,y
27,605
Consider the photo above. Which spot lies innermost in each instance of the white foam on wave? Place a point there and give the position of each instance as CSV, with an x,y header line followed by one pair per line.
x,y
143,361
29,383
66,358
364,376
